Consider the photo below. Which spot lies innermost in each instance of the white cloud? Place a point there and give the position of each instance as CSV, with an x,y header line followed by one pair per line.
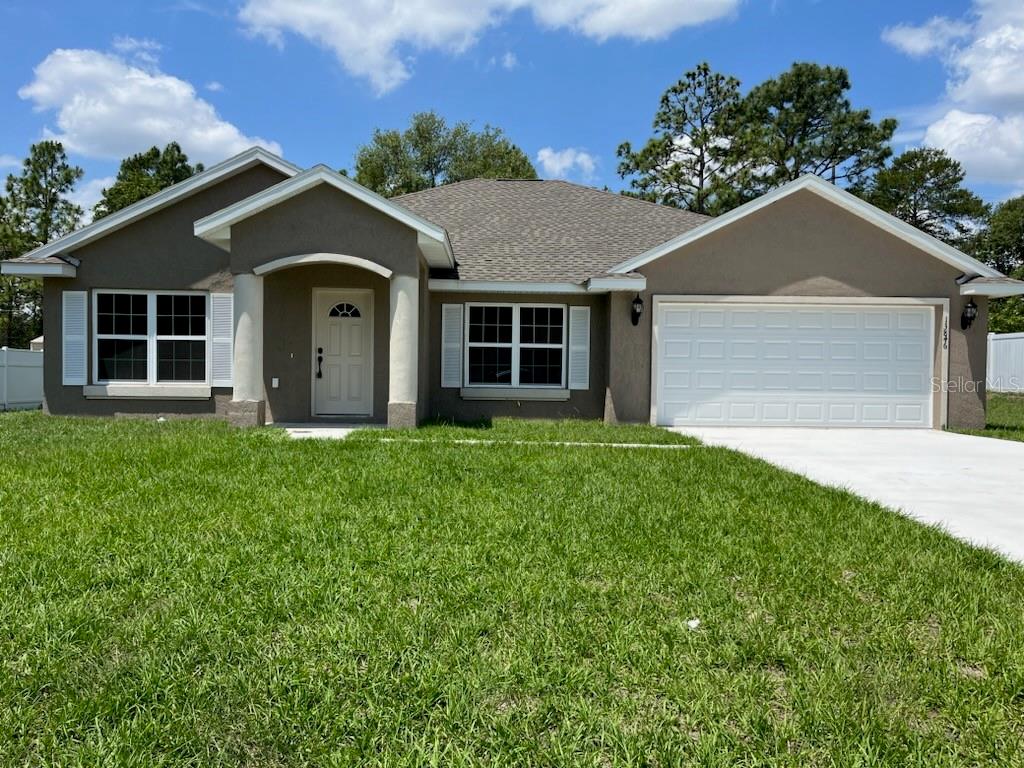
x,y
106,107
982,115
214,86
933,36
88,194
509,60
991,148
563,163
373,38
9,161
144,51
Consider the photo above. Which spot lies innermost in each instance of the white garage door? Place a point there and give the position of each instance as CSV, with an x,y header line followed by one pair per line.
x,y
793,364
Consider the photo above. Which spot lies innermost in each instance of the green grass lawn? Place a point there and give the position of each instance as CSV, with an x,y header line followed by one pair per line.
x,y
521,430
187,594
1005,418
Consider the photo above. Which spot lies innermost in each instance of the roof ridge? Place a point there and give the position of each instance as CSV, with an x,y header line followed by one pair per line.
x,y
621,196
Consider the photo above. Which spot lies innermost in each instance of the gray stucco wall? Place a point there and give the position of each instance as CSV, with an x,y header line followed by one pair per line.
x,y
587,404
323,220
288,336
157,252
799,246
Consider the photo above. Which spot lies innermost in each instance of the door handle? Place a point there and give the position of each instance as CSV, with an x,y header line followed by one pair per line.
x,y
319,362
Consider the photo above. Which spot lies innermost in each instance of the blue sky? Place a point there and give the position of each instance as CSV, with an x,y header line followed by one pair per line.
x,y
568,80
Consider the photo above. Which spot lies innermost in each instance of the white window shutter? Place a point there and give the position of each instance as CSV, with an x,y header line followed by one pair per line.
x,y
74,336
579,347
451,345
222,333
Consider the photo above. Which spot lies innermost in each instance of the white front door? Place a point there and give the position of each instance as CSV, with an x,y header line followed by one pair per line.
x,y
342,353
829,365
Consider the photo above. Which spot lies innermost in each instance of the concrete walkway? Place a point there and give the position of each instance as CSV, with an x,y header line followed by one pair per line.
x,y
971,486
320,431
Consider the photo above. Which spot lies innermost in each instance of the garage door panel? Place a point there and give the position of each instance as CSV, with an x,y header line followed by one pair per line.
x,y
771,364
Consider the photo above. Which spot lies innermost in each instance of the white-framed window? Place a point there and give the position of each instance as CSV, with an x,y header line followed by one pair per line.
x,y
515,345
150,337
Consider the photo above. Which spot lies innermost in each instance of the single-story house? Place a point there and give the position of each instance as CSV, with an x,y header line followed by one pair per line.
x,y
36,345
258,291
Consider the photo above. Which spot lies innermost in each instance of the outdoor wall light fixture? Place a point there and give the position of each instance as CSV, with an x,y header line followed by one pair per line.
x,y
967,318
636,310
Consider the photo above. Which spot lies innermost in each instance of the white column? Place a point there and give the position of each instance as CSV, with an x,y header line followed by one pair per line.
x,y
404,350
248,360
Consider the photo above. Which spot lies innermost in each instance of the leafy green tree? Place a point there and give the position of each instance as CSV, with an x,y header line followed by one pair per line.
x,y
686,163
429,153
488,154
145,174
925,188
33,211
1007,315
802,122
1001,244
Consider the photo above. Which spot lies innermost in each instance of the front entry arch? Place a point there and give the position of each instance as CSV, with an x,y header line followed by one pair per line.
x,y
342,354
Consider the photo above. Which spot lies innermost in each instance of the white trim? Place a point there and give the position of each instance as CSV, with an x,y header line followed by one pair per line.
x,y
451,350
695,298
216,228
24,269
163,198
74,312
834,194
600,284
368,292
593,285
148,391
533,394
225,339
515,345
322,258
995,290
942,332
501,286
151,338
579,342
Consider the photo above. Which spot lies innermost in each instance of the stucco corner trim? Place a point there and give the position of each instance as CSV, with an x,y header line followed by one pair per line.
x,y
322,258
835,195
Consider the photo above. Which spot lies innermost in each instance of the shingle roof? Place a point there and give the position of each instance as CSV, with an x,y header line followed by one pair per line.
x,y
544,231
38,260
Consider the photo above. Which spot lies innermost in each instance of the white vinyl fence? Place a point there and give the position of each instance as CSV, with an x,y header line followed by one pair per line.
x,y
21,379
1005,362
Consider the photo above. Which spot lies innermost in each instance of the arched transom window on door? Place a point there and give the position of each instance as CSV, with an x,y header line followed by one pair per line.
x,y
344,309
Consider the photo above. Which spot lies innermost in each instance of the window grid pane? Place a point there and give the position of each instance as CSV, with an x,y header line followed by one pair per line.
x,y
496,355
121,314
490,324
540,366
122,360
490,365
180,315
181,361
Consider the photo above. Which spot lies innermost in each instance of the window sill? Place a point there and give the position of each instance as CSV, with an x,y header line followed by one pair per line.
x,y
532,394
146,391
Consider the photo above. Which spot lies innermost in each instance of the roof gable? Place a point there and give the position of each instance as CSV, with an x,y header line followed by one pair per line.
x,y
162,199
845,200
216,228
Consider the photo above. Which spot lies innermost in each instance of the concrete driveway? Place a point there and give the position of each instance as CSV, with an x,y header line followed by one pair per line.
x,y
971,486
